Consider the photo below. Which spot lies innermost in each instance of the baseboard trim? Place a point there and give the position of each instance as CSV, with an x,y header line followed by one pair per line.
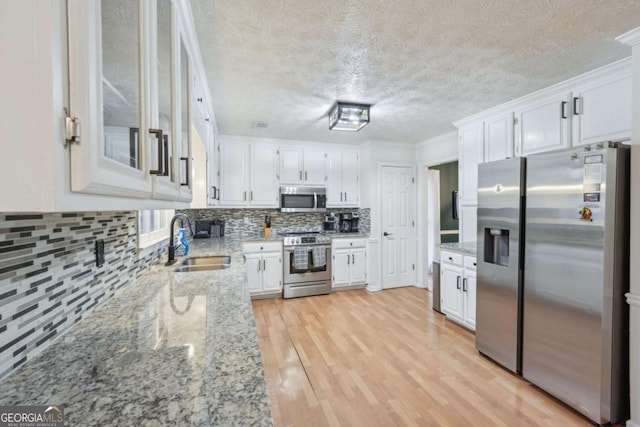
x,y
372,288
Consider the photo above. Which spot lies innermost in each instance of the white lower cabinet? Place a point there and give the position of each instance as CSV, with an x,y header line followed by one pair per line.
x,y
458,288
263,267
349,263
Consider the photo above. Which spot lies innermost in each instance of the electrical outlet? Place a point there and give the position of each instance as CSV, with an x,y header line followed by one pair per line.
x,y
99,253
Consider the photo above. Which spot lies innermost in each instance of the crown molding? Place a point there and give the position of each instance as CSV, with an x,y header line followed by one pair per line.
x,y
630,38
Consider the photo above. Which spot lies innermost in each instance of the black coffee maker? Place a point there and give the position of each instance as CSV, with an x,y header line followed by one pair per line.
x,y
349,222
330,223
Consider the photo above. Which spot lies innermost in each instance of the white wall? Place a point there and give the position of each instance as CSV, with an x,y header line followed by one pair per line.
x,y
441,149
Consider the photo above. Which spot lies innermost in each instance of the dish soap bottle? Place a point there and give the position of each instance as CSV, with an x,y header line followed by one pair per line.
x,y
182,247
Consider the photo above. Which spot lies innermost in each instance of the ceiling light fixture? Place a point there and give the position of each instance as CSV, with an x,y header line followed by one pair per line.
x,y
348,116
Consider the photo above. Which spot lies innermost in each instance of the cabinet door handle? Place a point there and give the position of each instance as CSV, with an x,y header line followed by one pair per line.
x,y
341,196
348,259
563,104
464,285
186,160
244,196
305,175
458,282
214,192
300,175
264,265
345,196
158,134
165,145
258,265
353,258
251,195
576,102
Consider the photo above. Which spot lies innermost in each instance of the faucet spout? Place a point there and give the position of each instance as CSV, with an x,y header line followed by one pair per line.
x,y
171,250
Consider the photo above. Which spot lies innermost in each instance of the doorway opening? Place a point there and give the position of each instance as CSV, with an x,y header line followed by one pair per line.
x,y
442,208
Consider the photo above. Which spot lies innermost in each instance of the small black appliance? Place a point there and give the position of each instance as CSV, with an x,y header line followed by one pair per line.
x,y
349,222
203,229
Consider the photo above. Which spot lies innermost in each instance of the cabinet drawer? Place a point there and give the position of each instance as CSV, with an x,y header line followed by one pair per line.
x,y
259,247
348,243
451,258
470,262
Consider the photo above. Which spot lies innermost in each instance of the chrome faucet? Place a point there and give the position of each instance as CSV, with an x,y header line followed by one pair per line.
x,y
172,250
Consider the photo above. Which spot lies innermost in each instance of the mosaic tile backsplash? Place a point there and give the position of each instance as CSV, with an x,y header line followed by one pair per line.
x,y
49,279
251,220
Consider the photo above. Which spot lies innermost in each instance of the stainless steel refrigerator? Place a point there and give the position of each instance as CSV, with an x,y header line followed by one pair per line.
x,y
499,261
576,264
559,317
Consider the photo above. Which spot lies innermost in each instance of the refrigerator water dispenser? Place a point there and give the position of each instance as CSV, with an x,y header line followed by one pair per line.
x,y
496,246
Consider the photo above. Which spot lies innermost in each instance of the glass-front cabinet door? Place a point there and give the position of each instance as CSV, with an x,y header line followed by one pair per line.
x,y
185,169
126,64
106,93
162,151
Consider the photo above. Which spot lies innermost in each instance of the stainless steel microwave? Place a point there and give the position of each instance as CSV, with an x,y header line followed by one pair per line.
x,y
303,199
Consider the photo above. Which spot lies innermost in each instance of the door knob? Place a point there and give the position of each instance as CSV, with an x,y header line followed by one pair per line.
x,y
385,234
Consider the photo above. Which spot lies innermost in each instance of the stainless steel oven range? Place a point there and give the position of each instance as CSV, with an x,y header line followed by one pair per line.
x,y
307,264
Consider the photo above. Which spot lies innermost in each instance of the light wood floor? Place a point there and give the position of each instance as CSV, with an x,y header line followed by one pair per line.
x,y
357,358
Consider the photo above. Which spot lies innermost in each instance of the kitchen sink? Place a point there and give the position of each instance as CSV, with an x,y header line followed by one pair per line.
x,y
204,263
210,267
206,260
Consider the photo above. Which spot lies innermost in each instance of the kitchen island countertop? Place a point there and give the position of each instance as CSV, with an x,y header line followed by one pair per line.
x,y
167,349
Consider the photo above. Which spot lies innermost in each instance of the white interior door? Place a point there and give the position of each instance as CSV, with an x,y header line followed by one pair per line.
x,y
398,226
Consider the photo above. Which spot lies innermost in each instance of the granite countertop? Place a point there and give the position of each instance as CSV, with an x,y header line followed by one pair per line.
x,y
467,248
348,235
167,349
279,236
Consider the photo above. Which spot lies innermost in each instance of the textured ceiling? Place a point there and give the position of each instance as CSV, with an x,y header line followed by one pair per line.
x,y
421,63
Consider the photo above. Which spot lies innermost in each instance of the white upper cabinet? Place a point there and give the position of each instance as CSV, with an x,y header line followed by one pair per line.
x,y
602,109
314,167
291,160
106,81
543,125
183,154
302,166
164,88
264,172
248,175
498,137
213,166
234,173
109,83
343,169
129,74
471,153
